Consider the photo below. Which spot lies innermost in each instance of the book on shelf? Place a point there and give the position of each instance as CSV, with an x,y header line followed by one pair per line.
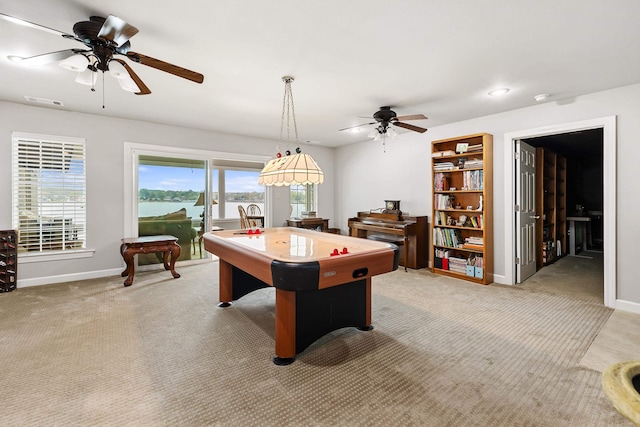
x,y
474,240
440,182
476,221
443,153
443,166
443,201
472,180
447,237
472,246
473,164
457,264
442,253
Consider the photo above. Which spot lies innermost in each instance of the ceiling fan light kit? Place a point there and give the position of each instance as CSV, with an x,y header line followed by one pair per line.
x,y
87,78
299,168
385,117
103,39
75,63
117,70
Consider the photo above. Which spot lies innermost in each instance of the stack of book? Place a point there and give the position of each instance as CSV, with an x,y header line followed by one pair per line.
x,y
445,153
459,265
473,163
473,243
474,148
443,166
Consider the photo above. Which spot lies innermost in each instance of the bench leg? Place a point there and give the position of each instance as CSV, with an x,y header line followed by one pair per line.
x,y
128,254
175,253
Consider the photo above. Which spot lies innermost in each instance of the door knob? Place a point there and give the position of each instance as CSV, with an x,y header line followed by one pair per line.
x,y
534,216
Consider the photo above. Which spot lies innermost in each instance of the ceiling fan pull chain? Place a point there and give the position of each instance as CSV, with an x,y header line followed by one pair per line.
x,y
103,89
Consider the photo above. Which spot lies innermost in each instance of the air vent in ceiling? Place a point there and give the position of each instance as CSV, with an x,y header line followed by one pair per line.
x,y
44,101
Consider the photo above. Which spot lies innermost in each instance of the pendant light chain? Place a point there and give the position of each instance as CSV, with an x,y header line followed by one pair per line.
x,y
288,113
290,169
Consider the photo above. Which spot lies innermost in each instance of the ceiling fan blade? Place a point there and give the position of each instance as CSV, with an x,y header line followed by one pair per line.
x,y
357,126
144,90
166,67
410,127
33,25
411,117
117,30
47,58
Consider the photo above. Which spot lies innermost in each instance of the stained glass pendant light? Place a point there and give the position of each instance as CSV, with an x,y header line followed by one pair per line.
x,y
290,169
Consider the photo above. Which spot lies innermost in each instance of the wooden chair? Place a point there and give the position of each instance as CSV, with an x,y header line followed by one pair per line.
x,y
253,210
244,221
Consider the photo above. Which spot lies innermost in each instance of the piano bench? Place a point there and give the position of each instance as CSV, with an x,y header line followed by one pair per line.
x,y
386,239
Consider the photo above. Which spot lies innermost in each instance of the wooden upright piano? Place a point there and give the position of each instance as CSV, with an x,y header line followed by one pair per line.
x,y
408,232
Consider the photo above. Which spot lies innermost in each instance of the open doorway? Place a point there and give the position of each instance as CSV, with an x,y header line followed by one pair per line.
x,y
569,200
608,126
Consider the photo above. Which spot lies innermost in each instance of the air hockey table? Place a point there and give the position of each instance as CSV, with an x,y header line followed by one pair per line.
x,y
322,280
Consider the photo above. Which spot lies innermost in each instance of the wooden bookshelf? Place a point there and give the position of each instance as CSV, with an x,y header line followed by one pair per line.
x,y
551,200
463,187
561,203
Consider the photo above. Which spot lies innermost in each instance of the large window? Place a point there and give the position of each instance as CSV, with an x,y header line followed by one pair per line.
x,y
303,199
236,184
49,192
171,201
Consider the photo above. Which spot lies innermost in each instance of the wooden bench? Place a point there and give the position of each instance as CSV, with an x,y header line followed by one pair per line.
x,y
149,244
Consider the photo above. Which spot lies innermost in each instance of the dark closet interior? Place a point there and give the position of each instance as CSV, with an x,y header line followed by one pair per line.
x,y
584,182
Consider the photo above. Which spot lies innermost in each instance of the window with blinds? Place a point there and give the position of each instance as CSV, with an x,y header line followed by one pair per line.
x,y
49,192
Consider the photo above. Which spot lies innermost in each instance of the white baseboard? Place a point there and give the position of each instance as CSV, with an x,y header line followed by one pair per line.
x,y
623,305
500,279
49,280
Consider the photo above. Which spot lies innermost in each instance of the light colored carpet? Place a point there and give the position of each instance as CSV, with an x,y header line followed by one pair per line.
x,y
443,353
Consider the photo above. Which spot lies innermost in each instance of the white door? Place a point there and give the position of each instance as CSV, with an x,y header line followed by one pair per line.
x,y
525,211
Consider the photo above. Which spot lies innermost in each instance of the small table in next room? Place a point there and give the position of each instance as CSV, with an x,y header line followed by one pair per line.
x,y
149,244
316,293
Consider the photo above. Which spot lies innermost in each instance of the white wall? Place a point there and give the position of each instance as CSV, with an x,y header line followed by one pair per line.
x,y
105,176
366,176
361,174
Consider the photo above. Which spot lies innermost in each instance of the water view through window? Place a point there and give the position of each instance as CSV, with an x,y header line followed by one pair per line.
x,y
166,189
171,200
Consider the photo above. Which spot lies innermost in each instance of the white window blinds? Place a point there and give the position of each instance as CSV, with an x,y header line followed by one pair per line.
x,y
49,192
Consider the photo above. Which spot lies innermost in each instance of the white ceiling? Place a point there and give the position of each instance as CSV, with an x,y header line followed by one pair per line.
x,y
348,57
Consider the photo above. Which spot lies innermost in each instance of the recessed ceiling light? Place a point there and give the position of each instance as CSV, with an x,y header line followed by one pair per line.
x,y
354,130
541,97
498,92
